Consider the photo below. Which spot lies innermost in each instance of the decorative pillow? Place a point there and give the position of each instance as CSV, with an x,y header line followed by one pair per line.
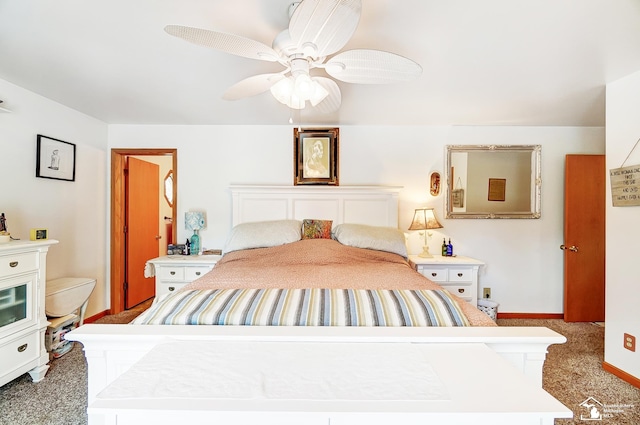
x,y
262,234
316,229
386,239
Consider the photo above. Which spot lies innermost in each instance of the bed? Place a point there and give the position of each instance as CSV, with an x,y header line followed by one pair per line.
x,y
266,291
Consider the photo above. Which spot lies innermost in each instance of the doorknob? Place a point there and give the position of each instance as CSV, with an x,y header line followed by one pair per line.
x,y
571,248
158,237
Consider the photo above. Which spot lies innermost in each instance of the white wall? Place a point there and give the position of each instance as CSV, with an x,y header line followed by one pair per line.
x,y
74,212
623,229
524,263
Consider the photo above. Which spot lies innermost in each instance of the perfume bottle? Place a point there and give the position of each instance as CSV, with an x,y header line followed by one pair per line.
x,y
449,249
444,247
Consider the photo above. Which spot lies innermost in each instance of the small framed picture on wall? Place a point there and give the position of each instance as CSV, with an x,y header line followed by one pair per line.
x,y
55,159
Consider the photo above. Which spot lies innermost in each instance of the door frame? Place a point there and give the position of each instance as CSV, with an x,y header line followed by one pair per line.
x,y
118,214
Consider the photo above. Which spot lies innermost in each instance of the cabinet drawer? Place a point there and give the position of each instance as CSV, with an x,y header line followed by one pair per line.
x,y
18,263
171,273
437,275
192,273
167,288
460,275
19,352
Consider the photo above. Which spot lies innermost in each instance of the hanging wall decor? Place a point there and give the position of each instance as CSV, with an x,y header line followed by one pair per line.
x,y
434,184
55,159
457,195
315,156
625,183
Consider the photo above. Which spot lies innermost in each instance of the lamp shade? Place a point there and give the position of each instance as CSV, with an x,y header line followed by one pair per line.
x,y
425,218
194,220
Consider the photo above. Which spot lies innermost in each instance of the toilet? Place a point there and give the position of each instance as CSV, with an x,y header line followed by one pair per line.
x,y
68,295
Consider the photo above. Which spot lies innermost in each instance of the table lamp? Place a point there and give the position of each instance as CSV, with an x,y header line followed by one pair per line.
x,y
425,219
195,221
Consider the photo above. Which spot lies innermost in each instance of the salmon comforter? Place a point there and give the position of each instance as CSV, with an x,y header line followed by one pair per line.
x,y
314,282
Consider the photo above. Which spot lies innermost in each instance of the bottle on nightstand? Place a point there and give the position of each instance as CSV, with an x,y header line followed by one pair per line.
x,y
449,249
444,247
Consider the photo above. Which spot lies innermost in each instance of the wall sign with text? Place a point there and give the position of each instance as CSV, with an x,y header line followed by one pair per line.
x,y
625,186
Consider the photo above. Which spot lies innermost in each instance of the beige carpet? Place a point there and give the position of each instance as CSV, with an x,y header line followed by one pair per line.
x,y
572,374
61,398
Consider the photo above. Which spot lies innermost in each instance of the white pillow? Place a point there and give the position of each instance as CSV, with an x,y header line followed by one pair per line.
x,y
263,234
371,237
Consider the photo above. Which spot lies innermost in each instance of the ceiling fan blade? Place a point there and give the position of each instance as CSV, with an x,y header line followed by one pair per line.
x,y
334,98
372,67
324,25
252,86
228,43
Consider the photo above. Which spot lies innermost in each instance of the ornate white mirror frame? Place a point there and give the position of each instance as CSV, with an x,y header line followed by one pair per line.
x,y
493,181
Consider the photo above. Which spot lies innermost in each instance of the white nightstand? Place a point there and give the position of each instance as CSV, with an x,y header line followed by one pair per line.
x,y
172,272
458,275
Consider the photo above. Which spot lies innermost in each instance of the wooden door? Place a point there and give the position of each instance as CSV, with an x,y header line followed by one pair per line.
x,y
584,238
142,224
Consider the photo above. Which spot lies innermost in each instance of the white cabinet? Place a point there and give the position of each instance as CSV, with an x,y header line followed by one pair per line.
x,y
172,272
22,317
458,275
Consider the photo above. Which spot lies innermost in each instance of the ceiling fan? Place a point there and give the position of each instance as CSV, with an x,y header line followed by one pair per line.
x,y
317,30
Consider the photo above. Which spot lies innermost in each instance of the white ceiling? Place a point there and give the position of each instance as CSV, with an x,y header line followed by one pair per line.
x,y
485,62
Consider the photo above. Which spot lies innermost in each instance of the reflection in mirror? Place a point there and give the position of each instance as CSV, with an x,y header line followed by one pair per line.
x,y
168,188
494,181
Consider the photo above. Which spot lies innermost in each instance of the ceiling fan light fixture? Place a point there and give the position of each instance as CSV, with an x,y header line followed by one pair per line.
x,y
319,93
303,86
282,90
295,91
296,102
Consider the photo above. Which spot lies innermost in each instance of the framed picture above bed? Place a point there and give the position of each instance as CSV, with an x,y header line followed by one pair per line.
x,y
315,156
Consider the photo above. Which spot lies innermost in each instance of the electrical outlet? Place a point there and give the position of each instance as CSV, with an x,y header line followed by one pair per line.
x,y
486,292
630,342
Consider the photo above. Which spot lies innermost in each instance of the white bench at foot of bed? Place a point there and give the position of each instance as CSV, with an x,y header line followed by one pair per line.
x,y
112,349
338,383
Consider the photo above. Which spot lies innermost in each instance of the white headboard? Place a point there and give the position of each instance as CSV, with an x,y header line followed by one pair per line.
x,y
372,205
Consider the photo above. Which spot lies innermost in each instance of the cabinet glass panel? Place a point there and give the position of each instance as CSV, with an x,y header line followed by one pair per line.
x,y
13,305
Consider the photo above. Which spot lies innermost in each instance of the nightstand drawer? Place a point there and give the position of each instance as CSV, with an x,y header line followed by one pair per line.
x,y
463,292
171,273
193,273
436,275
460,275
167,288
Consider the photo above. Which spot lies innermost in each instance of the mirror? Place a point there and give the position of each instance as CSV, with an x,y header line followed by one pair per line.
x,y
168,188
493,181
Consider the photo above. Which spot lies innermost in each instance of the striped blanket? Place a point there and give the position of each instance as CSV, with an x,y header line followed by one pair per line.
x,y
305,307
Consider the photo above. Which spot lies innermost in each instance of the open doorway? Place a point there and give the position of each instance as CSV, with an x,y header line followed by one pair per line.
x,y
118,216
